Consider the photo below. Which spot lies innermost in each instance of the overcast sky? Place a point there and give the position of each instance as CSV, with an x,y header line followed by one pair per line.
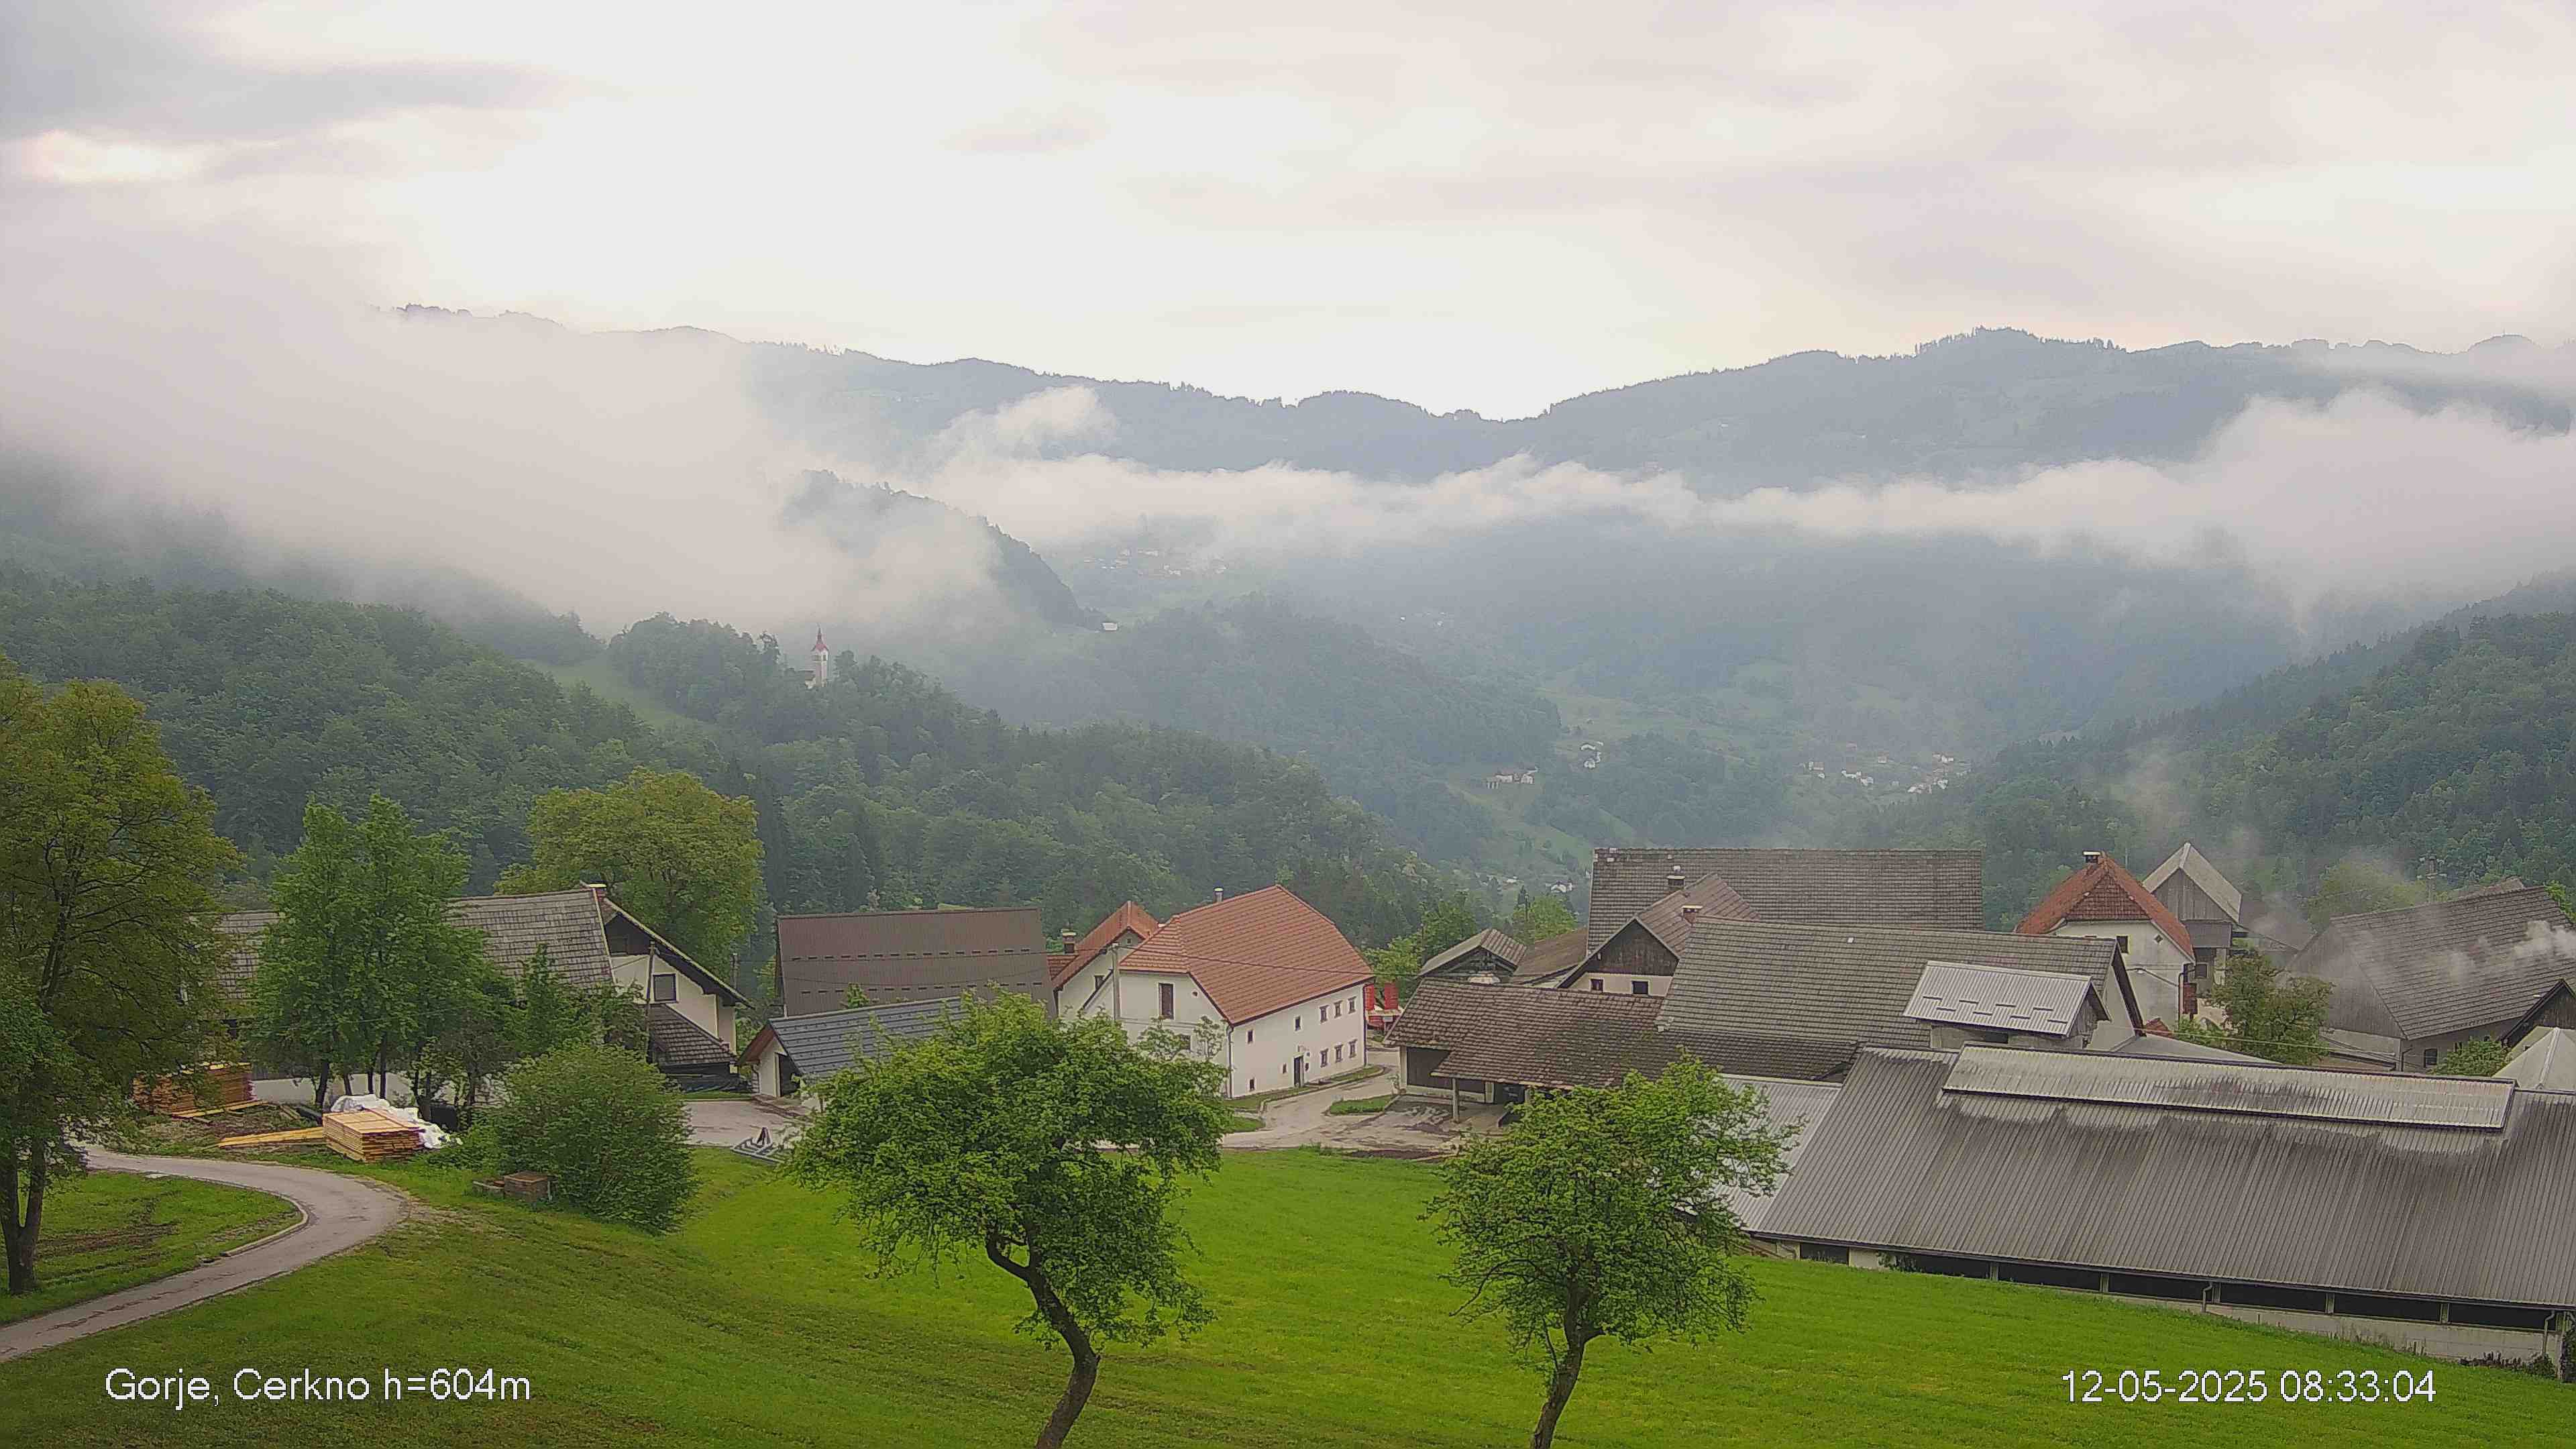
x,y
1488,206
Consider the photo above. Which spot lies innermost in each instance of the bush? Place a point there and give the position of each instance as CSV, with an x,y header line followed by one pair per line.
x,y
600,1122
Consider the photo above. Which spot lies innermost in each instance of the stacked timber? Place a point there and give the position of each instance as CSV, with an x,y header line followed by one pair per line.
x,y
369,1136
231,1088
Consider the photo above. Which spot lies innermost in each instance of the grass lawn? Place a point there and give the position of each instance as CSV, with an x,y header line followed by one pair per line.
x,y
112,1230
757,1322
1360,1106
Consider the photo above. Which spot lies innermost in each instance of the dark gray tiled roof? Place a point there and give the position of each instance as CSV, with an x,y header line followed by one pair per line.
x,y
1533,1034
2474,961
566,923
680,1042
828,1041
1853,983
2459,1212
1543,963
1545,1037
1943,888
1497,944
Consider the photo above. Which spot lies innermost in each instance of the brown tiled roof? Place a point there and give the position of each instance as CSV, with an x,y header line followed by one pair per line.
x,y
1542,1037
899,956
677,1041
1669,919
2103,890
566,923
1534,1035
1254,953
2467,963
1944,888
1128,917
1852,983
1543,962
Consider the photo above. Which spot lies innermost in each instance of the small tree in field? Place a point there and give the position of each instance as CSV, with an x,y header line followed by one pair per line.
x,y
1598,1215
1057,1150
2270,1013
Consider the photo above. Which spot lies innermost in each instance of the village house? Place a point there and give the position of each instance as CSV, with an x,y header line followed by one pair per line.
x,y
1942,888
2426,1213
2414,982
790,1055
893,957
1264,982
1638,959
2222,918
2101,899
1772,999
1078,976
1493,957
589,940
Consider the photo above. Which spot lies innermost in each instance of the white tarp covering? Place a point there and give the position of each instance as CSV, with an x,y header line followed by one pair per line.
x,y
432,1136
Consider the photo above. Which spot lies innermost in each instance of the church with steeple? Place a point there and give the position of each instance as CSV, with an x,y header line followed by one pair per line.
x,y
822,670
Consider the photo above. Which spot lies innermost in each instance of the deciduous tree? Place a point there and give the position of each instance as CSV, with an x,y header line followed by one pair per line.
x,y
1537,920
1057,1150
364,965
108,868
676,853
2269,1013
1599,1215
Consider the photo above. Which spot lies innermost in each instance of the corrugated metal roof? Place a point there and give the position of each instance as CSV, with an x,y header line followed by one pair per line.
x,y
900,956
828,1041
1795,1104
2266,1090
1942,888
1852,983
2436,1212
2044,1002
2546,1061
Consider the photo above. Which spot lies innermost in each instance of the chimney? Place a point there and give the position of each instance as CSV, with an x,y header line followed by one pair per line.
x,y
598,897
1690,911
1676,880
1220,893
2092,857
1068,940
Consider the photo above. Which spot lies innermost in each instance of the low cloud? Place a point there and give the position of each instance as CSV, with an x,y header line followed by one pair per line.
x,y
2361,497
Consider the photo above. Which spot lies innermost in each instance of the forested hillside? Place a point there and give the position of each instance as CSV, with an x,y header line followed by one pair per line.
x,y
2454,762
879,789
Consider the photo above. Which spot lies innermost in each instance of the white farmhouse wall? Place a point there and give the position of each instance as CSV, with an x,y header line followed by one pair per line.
x,y
1091,990
712,1013
2156,965
1329,1034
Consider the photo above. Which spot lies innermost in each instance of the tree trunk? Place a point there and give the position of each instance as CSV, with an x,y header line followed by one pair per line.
x,y
1560,1387
1086,1359
322,1086
20,1234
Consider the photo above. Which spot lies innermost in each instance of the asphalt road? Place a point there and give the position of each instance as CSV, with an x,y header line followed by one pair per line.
x,y
340,1212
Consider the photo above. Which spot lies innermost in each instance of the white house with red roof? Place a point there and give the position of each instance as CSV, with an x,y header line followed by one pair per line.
x,y
1083,973
1265,982
2101,899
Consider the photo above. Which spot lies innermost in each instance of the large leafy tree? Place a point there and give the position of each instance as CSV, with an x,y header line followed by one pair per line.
x,y
1057,1150
676,853
108,866
1537,920
364,966
2269,1012
1599,1215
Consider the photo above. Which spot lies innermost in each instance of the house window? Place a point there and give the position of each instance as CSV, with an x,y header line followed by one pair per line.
x,y
2431,1055
666,986
1638,988
1301,1023
2124,945
1247,1036
1164,991
1250,1085
1596,983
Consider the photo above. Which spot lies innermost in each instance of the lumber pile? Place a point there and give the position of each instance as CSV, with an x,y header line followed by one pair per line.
x,y
369,1136
179,1094
274,1139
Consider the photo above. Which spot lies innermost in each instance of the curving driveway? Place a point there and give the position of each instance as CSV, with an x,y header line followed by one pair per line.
x,y
340,1212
